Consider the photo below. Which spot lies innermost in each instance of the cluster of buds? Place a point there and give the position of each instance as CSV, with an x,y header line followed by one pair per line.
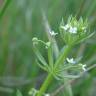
x,y
74,31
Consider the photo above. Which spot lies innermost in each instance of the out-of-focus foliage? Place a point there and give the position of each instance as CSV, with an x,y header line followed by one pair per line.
x,y
22,20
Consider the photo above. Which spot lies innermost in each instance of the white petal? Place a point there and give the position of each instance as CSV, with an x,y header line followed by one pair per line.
x,y
47,94
70,60
52,33
83,67
73,30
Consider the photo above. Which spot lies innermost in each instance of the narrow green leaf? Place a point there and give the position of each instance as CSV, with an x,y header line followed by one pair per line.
x,y
63,55
39,56
86,37
68,76
3,9
46,68
50,57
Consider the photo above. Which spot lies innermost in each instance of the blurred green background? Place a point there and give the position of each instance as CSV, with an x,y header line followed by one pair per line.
x,y
20,22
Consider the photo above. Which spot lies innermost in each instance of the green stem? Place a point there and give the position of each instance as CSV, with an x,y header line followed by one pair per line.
x,y
61,59
49,78
45,85
63,55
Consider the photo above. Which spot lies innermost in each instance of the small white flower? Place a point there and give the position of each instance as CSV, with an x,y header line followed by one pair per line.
x,y
70,28
52,33
83,67
73,30
66,27
47,94
70,60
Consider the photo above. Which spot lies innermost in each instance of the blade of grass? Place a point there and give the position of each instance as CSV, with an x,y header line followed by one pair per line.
x,y
93,5
3,9
50,57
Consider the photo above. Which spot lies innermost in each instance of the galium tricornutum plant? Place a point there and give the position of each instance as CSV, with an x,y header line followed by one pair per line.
x,y
63,69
